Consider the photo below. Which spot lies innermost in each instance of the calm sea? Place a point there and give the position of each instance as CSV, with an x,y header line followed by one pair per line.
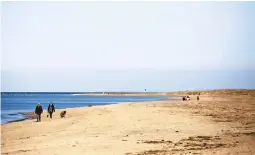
x,y
13,103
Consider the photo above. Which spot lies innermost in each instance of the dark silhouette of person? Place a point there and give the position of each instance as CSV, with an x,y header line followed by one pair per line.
x,y
38,112
51,109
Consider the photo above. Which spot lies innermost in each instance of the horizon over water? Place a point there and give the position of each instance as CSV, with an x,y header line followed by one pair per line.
x,y
13,103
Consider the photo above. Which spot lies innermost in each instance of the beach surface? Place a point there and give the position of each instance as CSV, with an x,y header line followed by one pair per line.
x,y
221,122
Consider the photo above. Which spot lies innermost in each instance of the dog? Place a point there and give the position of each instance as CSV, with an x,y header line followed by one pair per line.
x,y
63,114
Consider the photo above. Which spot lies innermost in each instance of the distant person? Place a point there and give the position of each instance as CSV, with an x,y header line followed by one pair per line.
x,y
188,98
51,109
38,112
197,97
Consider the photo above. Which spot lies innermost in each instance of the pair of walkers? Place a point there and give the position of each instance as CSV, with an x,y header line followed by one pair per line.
x,y
39,111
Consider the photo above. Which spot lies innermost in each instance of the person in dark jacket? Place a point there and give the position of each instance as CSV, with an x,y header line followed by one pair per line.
x,y
38,112
51,109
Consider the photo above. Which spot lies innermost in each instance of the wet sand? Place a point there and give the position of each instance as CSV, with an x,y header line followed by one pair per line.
x,y
219,123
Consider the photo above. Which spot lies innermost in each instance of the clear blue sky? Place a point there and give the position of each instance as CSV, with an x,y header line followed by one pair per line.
x,y
127,46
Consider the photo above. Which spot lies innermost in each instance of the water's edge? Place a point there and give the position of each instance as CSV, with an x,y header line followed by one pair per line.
x,y
31,115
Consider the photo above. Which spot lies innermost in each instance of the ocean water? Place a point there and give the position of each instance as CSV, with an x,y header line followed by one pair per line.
x,y
14,103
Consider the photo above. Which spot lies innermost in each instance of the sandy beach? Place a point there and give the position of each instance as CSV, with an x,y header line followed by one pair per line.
x,y
221,122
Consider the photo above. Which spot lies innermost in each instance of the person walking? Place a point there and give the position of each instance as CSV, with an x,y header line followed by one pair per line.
x,y
51,109
38,112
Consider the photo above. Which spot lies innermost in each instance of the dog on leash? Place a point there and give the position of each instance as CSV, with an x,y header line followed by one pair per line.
x,y
63,114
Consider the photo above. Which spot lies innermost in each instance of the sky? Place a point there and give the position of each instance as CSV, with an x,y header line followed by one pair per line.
x,y
127,46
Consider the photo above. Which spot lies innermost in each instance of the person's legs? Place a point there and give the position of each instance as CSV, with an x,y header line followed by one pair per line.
x,y
39,117
50,115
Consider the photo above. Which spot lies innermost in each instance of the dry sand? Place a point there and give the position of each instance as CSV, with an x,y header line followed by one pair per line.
x,y
216,124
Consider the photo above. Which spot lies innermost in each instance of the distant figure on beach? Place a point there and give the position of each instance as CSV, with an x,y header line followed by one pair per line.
x,y
51,109
187,98
63,114
38,112
197,97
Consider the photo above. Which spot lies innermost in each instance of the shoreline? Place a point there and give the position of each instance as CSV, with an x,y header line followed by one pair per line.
x,y
124,94
214,124
31,115
216,92
25,116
